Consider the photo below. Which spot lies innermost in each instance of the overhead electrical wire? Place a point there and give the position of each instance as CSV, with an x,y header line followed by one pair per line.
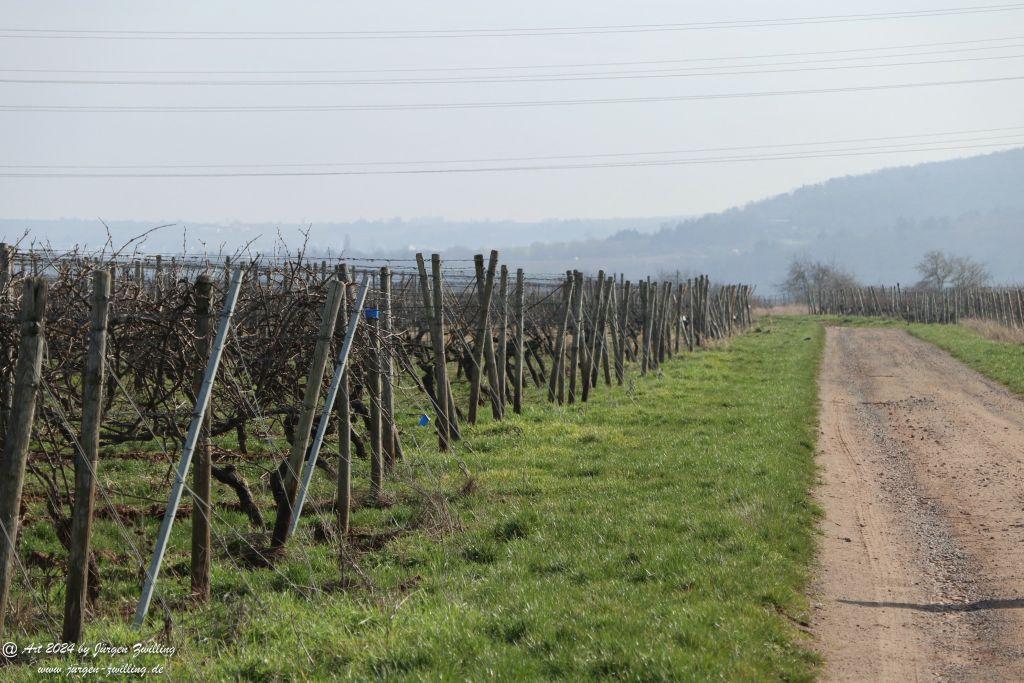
x,y
140,34
155,109
517,67
1004,131
537,78
491,169
746,154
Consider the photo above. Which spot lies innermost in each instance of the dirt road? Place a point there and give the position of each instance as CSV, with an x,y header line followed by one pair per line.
x,y
921,572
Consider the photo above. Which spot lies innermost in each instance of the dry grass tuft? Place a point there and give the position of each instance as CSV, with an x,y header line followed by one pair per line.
x,y
994,331
787,309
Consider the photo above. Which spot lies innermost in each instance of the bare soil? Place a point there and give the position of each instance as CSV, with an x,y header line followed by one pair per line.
x,y
921,572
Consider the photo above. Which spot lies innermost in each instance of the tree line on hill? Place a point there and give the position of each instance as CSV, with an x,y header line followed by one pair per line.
x,y
937,269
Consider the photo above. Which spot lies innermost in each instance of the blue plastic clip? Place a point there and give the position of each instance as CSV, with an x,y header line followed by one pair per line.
x,y
372,313
424,420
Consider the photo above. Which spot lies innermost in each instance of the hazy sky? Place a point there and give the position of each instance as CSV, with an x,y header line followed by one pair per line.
x,y
304,137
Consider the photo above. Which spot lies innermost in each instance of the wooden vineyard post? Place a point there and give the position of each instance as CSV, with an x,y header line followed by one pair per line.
x,y
501,355
673,325
557,362
679,316
689,315
592,359
6,273
484,348
664,327
574,351
656,302
451,415
158,277
658,334
696,310
624,330
656,305
613,309
201,473
343,409
6,266
729,305
340,376
490,361
666,322
436,326
714,317
86,460
27,375
561,360
606,312
477,361
628,350
577,337
388,440
300,439
373,385
520,344
645,295
747,312
739,316
705,298
665,350
730,321
600,355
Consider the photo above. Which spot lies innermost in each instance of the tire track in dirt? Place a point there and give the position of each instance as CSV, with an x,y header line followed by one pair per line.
x,y
921,562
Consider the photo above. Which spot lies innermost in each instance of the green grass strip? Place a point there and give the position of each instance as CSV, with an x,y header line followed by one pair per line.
x,y
663,531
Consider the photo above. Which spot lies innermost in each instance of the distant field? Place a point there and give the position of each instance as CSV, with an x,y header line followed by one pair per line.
x,y
662,533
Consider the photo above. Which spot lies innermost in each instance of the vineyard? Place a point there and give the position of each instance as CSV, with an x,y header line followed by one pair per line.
x,y
1001,305
312,390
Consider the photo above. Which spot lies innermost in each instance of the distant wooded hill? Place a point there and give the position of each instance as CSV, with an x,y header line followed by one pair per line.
x,y
877,225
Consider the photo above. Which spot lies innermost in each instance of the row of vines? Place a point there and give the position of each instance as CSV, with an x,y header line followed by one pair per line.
x,y
105,355
1001,305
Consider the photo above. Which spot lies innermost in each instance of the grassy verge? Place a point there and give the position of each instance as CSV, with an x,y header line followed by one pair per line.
x,y
660,532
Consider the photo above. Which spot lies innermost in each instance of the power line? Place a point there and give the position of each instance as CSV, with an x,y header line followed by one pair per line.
x,y
138,34
562,157
144,109
283,72
537,78
627,164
